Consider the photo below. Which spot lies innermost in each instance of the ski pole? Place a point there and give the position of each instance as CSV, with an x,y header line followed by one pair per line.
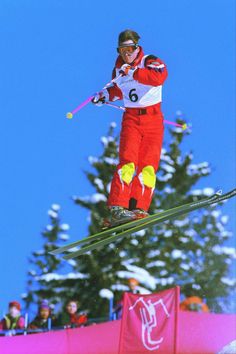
x,y
69,115
183,126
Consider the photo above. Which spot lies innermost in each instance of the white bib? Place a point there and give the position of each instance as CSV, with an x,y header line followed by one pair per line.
x,y
136,94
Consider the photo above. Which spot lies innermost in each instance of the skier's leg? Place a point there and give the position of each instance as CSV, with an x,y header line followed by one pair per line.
x,y
130,140
149,156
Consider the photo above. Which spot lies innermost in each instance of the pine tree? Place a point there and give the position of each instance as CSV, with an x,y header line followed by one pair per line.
x,y
48,277
188,251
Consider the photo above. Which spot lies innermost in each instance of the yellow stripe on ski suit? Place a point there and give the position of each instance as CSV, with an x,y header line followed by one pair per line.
x,y
149,176
127,172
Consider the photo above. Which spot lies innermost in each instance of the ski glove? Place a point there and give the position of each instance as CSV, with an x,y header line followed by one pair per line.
x,y
128,70
100,98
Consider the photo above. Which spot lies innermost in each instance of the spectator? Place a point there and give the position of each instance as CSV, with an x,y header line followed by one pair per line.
x,y
13,320
71,318
194,303
43,318
132,284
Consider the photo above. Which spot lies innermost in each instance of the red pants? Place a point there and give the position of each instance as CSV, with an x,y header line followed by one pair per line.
x,y
140,149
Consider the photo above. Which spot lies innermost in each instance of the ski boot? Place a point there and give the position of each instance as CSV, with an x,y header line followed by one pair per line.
x,y
119,216
140,213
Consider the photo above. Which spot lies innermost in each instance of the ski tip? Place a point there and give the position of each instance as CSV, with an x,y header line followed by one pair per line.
x,y
219,192
184,126
69,115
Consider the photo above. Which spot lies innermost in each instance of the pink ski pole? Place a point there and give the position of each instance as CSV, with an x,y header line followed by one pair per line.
x,y
183,126
69,115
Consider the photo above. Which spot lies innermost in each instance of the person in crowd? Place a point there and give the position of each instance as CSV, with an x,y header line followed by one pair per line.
x,y
70,318
43,320
194,303
13,320
132,284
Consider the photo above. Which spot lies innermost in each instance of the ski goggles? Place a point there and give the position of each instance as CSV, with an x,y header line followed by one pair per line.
x,y
127,48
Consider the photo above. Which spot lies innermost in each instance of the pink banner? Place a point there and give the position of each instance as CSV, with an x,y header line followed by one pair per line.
x,y
149,323
199,333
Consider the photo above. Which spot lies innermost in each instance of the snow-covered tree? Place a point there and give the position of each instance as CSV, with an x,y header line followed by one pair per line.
x,y
49,277
189,251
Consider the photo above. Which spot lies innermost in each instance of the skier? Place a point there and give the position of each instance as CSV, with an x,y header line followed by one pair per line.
x,y
139,80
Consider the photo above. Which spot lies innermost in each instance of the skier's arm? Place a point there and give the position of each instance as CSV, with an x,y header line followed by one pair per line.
x,y
154,73
114,92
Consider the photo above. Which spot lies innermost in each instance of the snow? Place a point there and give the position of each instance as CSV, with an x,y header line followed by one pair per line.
x,y
113,125
134,242
184,239
165,281
177,254
194,169
49,227
64,237
196,286
39,252
64,227
55,207
181,223
92,159
111,160
165,178
106,294
141,274
153,253
169,190
229,251
72,262
106,140
190,233
122,254
205,191
165,157
168,233
52,214
53,276
228,281
140,233
156,264
168,168
163,272
94,198
185,266
216,213
224,219
120,287
99,183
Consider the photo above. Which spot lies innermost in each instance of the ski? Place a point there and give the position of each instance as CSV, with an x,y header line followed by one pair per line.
x,y
137,225
216,198
128,225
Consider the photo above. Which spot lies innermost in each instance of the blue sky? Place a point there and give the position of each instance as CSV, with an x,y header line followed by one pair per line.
x,y
56,53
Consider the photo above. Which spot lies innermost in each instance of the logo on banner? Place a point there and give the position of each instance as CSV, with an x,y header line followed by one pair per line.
x,y
149,318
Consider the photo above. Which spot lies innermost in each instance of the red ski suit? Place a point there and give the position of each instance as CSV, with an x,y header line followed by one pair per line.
x,y
141,134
